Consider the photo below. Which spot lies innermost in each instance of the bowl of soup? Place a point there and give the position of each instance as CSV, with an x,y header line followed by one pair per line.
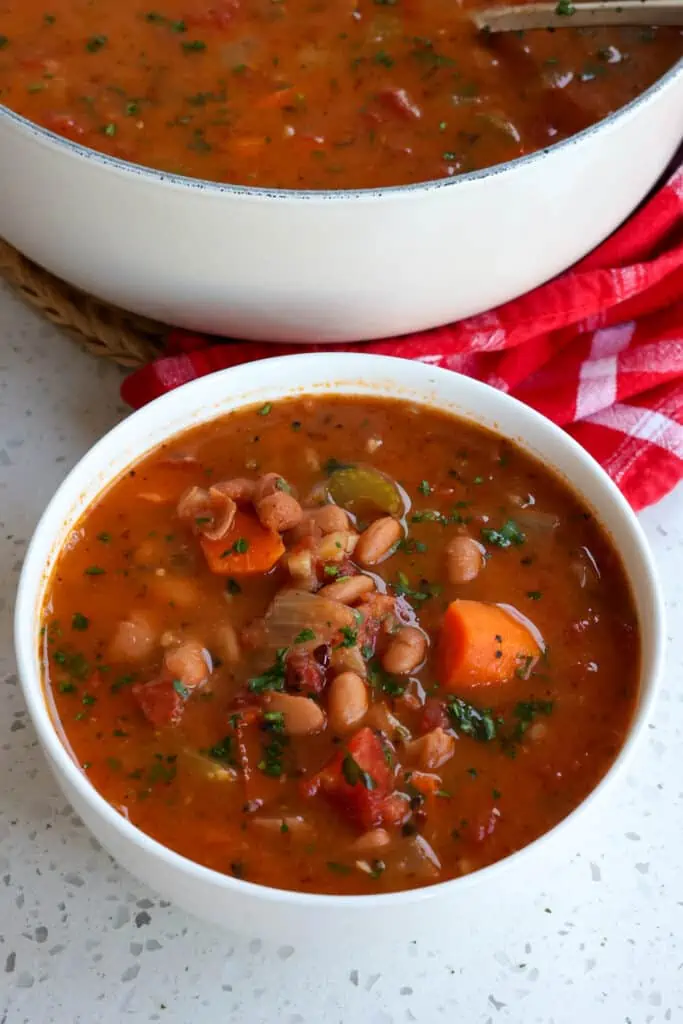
x,y
336,642
321,172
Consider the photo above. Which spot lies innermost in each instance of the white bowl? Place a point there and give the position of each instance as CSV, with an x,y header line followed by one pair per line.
x,y
328,266
225,900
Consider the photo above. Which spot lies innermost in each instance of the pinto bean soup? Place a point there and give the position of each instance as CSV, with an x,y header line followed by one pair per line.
x,y
319,94
299,647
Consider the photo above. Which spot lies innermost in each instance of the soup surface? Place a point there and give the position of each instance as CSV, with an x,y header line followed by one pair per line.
x,y
297,647
320,94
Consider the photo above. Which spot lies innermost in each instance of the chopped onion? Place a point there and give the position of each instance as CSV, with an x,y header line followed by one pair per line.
x,y
293,612
419,859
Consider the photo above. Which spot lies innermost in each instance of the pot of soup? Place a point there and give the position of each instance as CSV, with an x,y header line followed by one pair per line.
x,y
325,172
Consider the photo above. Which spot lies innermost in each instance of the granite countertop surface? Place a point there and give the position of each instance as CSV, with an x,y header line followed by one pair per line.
x,y
598,939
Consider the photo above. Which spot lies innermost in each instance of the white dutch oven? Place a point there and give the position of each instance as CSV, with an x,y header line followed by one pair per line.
x,y
327,266
257,910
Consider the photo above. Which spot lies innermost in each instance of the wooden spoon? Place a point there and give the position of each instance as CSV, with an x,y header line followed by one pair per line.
x,y
566,14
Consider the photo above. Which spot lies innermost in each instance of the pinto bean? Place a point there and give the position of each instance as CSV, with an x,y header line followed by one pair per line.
x,y
429,752
330,518
375,543
134,639
189,662
269,484
302,716
405,652
334,547
371,842
227,644
240,489
279,511
349,591
347,702
464,559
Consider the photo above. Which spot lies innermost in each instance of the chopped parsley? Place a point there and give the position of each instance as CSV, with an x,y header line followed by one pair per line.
x,y
403,589
181,689
94,570
88,699
354,774
274,721
534,595
379,679
565,8
265,409
340,869
222,751
271,762
470,720
274,677
304,636
424,487
95,43
240,547
79,622
193,45
350,637
508,534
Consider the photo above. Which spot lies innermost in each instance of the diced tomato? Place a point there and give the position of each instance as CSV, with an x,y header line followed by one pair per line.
x,y
64,124
434,715
362,799
304,672
160,702
395,809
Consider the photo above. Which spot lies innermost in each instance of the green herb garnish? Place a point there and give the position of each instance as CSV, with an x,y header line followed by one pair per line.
x,y
354,774
508,534
95,43
274,677
79,622
470,720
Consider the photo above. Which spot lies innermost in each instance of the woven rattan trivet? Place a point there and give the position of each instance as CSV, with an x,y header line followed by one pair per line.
x,y
102,329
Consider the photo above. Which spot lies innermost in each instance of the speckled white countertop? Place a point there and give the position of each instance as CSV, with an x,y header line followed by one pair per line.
x,y
599,940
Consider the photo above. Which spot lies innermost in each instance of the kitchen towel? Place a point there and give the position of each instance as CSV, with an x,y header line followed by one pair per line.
x,y
599,350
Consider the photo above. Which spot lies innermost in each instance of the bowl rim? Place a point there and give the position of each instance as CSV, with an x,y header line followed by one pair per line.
x,y
54,527
204,185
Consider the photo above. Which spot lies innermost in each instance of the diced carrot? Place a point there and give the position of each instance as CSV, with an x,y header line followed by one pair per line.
x,y
247,548
277,100
482,645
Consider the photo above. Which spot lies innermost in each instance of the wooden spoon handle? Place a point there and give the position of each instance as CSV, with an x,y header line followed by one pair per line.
x,y
566,14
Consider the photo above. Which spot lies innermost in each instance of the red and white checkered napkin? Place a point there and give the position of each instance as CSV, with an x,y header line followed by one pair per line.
x,y
599,350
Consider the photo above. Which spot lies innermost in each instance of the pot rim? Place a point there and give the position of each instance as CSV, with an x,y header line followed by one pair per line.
x,y
281,376
179,181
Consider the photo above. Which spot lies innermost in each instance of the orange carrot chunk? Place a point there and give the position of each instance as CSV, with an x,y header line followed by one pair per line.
x,y
247,548
482,645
